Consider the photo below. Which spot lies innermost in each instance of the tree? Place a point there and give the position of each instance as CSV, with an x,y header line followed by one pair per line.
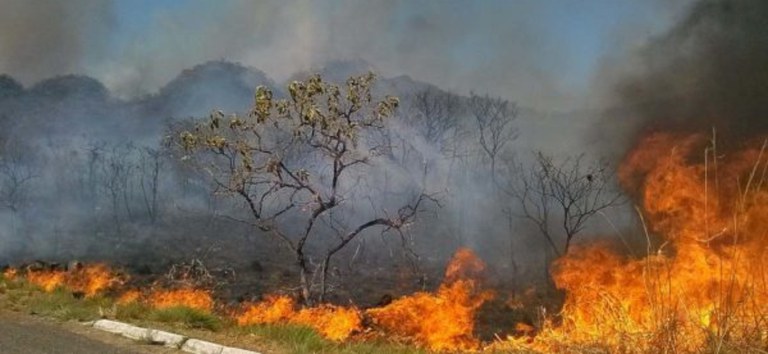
x,y
116,172
494,117
568,190
298,162
17,172
150,164
436,114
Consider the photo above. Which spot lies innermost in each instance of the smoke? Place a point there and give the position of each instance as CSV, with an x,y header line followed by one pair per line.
x,y
708,72
507,49
431,42
512,49
39,39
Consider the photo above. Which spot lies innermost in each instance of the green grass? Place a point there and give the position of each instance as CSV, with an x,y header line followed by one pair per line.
x,y
187,317
63,306
59,304
299,339
131,311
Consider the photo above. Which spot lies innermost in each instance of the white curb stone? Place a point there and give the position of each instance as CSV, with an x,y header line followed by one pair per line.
x,y
168,339
196,346
228,350
122,329
171,340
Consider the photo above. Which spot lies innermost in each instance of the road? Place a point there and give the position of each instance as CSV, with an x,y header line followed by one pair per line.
x,y
21,334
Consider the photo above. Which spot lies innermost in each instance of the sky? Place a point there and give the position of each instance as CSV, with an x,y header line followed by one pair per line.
x,y
544,54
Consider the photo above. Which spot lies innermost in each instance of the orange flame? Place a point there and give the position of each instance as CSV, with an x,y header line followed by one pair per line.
x,y
193,298
444,320
48,280
10,274
129,297
90,280
334,322
273,309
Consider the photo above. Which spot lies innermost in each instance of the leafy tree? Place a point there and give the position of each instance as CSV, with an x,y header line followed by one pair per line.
x,y
297,163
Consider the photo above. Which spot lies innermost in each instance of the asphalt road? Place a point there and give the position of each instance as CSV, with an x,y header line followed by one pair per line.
x,y
21,334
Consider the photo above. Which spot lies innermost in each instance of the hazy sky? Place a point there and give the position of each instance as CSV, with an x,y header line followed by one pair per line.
x,y
541,53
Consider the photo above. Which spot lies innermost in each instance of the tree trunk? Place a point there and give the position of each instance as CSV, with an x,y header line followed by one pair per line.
x,y
306,287
324,278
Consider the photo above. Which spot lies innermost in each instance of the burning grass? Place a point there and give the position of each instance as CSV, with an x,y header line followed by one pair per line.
x,y
333,322
440,321
443,320
703,289
88,280
197,299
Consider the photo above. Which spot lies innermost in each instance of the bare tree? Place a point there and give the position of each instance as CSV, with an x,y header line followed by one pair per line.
x,y
567,193
150,164
494,117
116,173
436,114
296,162
94,157
17,171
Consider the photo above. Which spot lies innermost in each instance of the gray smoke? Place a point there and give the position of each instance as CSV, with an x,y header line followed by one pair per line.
x,y
39,39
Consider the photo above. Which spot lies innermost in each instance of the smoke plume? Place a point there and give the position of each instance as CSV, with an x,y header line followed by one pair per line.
x,y
708,72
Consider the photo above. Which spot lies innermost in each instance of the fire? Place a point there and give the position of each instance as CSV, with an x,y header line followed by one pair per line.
x,y
129,297
705,283
441,321
10,274
92,279
444,320
89,280
334,322
273,309
187,297
48,280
